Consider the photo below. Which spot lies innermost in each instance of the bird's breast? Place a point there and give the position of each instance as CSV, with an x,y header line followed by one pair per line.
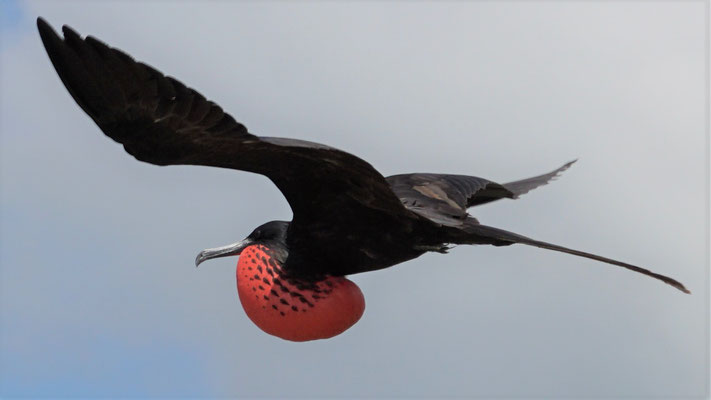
x,y
292,309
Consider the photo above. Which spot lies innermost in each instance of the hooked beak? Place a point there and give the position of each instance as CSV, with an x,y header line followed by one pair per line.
x,y
224,251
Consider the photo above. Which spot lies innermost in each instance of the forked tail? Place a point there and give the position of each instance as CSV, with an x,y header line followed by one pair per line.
x,y
482,234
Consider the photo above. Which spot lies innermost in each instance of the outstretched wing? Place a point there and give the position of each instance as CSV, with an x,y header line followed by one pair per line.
x,y
161,121
445,198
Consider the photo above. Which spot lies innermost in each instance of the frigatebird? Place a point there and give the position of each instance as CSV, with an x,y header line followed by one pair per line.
x,y
347,217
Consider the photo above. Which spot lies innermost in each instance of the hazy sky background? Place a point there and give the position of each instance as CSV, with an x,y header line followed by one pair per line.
x,y
98,291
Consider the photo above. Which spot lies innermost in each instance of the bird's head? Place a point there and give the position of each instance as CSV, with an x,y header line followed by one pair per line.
x,y
287,306
272,233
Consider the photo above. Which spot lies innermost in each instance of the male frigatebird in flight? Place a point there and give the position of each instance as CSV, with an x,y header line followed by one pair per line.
x,y
348,218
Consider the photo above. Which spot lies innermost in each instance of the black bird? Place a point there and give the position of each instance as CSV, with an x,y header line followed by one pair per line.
x,y
348,218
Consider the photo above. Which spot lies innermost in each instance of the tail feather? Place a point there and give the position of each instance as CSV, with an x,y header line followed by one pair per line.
x,y
482,234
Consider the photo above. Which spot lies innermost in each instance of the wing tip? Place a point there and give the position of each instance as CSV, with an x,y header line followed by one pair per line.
x,y
565,166
47,33
558,172
42,23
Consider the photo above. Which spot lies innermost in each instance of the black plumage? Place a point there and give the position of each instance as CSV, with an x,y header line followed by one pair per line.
x,y
347,217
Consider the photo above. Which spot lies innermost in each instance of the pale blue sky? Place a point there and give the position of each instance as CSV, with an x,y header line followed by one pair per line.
x,y
98,292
